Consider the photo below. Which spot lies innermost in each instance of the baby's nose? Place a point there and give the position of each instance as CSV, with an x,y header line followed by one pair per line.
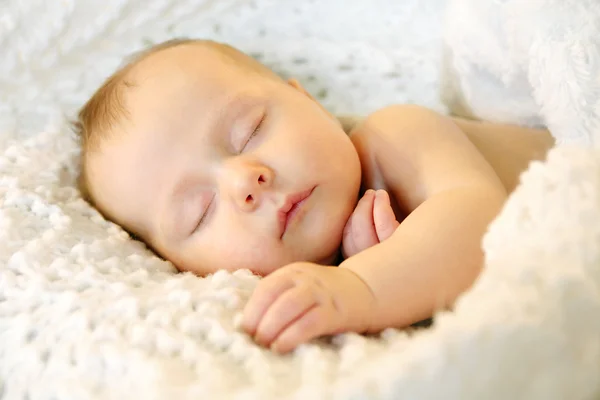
x,y
250,182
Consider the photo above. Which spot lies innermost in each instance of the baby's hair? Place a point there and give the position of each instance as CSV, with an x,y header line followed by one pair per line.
x,y
105,109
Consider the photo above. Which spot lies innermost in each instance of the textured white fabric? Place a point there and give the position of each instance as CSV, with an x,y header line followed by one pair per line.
x,y
534,62
87,313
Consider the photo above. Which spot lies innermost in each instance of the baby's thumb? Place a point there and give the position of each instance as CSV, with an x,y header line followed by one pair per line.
x,y
383,216
359,233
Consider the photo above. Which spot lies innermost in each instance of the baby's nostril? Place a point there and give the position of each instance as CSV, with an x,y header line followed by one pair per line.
x,y
249,198
261,178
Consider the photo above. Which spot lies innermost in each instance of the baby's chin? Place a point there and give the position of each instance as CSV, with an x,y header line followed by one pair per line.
x,y
327,246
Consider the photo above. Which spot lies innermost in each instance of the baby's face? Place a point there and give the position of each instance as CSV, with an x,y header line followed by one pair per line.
x,y
220,168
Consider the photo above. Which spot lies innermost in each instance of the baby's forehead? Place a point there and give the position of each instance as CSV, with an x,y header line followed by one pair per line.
x,y
201,62
173,77
188,60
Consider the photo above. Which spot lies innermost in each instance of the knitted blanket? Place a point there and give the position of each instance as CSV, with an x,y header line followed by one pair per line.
x,y
87,313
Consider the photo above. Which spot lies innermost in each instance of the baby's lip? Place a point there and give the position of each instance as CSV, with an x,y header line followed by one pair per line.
x,y
290,208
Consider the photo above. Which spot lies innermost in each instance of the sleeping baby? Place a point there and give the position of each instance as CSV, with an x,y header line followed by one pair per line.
x,y
215,162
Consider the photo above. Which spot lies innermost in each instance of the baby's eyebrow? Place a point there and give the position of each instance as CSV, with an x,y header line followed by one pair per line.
x,y
237,103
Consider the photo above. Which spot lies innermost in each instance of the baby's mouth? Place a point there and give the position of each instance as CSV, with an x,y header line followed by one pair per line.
x,y
290,209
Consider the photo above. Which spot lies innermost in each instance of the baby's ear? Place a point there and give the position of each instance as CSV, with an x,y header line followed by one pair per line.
x,y
296,85
293,82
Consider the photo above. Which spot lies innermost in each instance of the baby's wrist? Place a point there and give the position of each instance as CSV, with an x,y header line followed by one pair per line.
x,y
360,299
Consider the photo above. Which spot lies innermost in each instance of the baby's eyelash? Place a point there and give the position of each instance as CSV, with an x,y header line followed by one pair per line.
x,y
255,132
203,217
258,126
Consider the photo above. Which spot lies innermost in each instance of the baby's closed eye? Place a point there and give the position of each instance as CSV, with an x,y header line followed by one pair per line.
x,y
192,211
204,214
255,131
244,131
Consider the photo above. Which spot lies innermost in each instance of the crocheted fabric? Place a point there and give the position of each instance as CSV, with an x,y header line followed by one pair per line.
x,y
87,313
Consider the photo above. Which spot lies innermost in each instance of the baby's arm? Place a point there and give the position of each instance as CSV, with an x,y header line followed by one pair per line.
x,y
451,195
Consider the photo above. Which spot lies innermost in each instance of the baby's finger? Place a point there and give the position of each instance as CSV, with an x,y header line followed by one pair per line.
x,y
266,292
361,233
309,326
348,246
383,216
287,308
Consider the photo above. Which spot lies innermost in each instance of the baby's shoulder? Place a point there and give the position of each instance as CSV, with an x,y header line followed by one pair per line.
x,y
389,143
398,128
415,152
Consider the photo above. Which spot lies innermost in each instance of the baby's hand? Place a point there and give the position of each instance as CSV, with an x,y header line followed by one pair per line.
x,y
302,301
372,222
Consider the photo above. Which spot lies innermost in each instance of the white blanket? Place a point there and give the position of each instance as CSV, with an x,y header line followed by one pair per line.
x,y
87,313
533,62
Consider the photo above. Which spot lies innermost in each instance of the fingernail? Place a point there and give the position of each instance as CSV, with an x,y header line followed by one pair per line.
x,y
260,342
274,348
